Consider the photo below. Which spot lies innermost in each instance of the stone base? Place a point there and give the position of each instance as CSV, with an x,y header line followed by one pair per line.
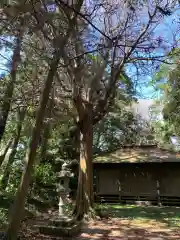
x,y
62,222
64,227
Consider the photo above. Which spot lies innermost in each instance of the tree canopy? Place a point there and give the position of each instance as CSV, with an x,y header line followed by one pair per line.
x,y
67,94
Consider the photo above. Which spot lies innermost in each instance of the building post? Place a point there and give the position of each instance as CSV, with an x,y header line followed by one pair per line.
x,y
119,190
158,193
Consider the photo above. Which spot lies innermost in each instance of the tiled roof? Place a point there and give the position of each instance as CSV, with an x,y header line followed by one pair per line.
x,y
138,155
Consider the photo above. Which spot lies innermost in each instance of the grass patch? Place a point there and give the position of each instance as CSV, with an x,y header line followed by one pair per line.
x,y
166,215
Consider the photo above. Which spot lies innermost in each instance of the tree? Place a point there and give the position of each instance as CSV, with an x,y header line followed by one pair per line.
x,y
87,65
167,81
2,157
4,180
93,78
7,98
18,208
116,129
46,130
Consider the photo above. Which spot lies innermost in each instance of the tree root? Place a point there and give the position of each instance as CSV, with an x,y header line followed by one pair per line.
x,y
91,215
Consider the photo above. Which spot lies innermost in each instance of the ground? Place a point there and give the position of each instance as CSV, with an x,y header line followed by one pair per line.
x,y
123,222
126,229
135,223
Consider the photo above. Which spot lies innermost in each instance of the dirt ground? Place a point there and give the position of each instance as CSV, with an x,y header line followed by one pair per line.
x,y
119,223
114,229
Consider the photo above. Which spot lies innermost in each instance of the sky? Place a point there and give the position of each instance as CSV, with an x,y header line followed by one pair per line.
x,y
143,88
3,61
166,29
5,56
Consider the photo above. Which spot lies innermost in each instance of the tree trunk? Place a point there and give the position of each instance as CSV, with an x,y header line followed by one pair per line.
x,y
44,143
18,207
46,131
5,178
2,157
5,108
84,198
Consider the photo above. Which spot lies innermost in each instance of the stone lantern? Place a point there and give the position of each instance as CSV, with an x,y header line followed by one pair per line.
x,y
63,188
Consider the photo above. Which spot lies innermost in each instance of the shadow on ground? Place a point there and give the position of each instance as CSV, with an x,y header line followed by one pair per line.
x,y
134,223
115,229
124,223
167,215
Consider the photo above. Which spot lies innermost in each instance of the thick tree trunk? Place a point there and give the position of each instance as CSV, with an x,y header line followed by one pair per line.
x,y
18,207
84,198
5,108
2,157
5,178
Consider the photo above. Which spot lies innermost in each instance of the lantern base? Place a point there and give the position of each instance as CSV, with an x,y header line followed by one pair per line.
x,y
62,227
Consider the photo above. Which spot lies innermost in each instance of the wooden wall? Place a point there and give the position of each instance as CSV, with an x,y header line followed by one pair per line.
x,y
138,179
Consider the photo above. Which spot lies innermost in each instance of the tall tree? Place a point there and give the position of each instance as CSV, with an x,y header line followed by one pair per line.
x,y
166,80
58,44
5,178
87,65
92,79
7,98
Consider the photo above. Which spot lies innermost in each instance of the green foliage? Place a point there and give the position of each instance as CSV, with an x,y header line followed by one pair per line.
x,y
167,80
3,217
44,174
113,131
